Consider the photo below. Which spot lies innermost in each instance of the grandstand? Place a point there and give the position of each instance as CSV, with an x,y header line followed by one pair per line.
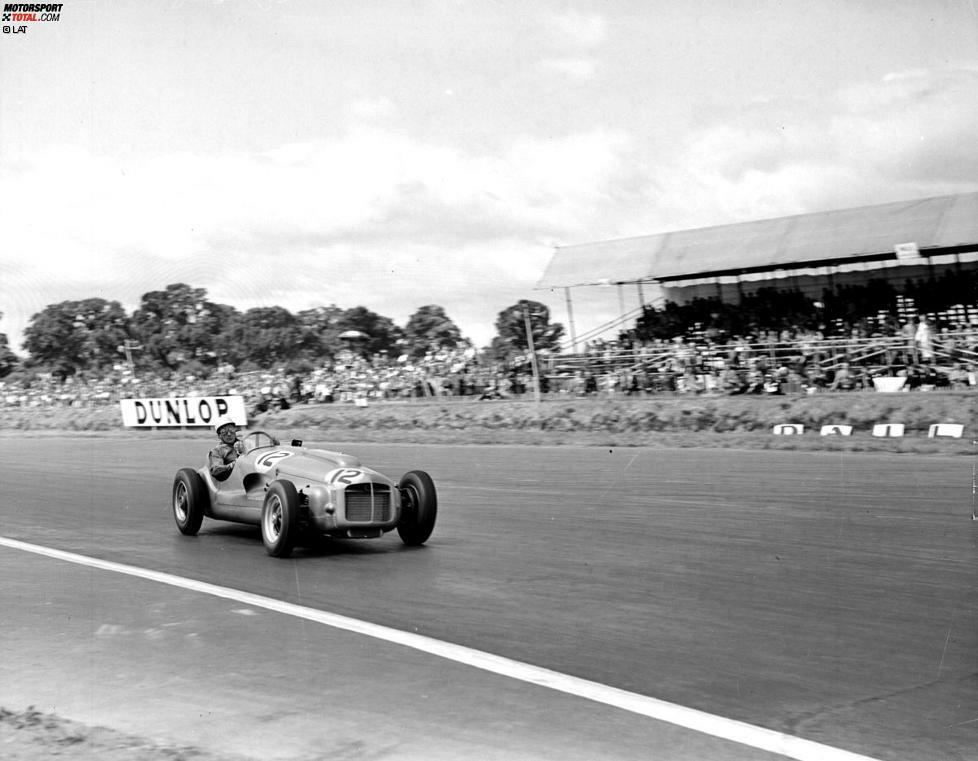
x,y
810,254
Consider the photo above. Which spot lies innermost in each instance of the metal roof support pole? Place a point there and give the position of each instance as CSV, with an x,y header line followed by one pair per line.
x,y
641,296
570,320
621,300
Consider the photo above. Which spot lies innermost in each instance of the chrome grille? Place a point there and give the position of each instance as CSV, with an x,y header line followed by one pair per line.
x,y
368,503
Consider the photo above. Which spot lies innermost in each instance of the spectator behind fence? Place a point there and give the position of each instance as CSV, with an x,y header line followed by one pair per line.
x,y
924,338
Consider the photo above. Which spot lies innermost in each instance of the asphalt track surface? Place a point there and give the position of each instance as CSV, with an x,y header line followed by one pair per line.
x,y
829,597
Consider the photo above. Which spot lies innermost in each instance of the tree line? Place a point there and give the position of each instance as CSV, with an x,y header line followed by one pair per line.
x,y
180,329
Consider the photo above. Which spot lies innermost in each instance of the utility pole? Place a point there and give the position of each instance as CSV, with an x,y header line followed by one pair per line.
x,y
128,347
570,320
533,354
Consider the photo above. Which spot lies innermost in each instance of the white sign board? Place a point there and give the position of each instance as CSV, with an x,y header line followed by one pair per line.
x,y
890,384
953,430
836,430
182,411
888,430
906,251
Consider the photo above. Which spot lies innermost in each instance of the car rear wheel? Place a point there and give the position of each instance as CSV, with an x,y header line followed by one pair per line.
x,y
419,507
280,519
189,495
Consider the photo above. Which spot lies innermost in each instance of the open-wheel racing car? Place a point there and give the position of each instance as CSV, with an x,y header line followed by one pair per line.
x,y
295,493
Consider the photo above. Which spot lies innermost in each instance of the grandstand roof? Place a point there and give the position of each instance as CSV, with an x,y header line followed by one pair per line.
x,y
865,233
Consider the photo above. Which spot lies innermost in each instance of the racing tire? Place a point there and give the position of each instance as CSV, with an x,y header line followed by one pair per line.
x,y
189,497
419,507
280,524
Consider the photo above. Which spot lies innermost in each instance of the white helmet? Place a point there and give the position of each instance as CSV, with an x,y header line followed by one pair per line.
x,y
223,421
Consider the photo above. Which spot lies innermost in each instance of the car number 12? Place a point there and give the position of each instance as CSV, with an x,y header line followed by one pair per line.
x,y
345,476
268,461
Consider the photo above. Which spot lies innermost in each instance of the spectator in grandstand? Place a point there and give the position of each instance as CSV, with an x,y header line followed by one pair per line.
x,y
843,379
815,379
498,388
222,457
924,338
958,377
296,394
912,373
576,384
907,330
861,378
755,382
933,378
630,383
772,386
688,382
794,381
491,392
732,382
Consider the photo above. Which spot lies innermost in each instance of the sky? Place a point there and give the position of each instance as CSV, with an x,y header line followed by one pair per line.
x,y
394,155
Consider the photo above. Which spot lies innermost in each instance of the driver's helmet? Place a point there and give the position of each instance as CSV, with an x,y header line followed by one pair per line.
x,y
223,421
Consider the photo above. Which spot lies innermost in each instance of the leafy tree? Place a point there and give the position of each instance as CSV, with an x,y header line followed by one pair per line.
x,y
220,321
430,329
269,335
179,324
320,318
76,336
511,329
8,360
382,333
321,330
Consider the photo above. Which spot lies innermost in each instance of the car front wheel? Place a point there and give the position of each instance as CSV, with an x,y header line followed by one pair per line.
x,y
189,494
280,519
419,507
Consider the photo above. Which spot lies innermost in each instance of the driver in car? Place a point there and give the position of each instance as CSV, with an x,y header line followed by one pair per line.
x,y
221,458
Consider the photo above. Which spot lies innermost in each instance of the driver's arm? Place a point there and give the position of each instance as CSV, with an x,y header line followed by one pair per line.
x,y
218,468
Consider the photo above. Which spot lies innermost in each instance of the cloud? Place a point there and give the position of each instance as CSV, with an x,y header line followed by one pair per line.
x,y
375,218
571,38
575,28
905,135
913,126
581,69
372,109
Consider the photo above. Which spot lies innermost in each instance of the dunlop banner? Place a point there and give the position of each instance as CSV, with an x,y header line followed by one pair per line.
x,y
181,411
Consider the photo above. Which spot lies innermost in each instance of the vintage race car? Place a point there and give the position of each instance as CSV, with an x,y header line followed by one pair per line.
x,y
295,493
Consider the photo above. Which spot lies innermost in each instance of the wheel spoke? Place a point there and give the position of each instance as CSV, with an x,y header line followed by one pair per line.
x,y
273,518
180,502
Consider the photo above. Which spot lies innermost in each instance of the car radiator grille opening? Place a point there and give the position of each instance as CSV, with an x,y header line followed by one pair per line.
x,y
368,503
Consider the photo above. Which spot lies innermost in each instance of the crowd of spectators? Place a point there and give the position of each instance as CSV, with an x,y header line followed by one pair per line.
x,y
930,350
802,362
776,362
758,377
875,307
348,378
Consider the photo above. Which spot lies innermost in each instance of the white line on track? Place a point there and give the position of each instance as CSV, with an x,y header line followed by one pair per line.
x,y
660,710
